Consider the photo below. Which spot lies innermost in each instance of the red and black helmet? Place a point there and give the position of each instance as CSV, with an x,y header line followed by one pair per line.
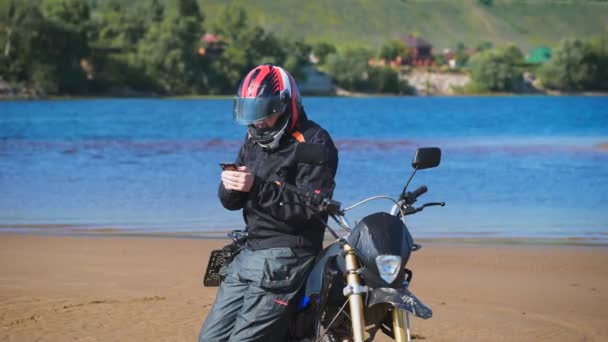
x,y
265,91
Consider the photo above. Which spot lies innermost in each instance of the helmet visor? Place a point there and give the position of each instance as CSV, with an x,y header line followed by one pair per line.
x,y
249,110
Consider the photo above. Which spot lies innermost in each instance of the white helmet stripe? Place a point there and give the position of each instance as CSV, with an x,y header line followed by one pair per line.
x,y
285,78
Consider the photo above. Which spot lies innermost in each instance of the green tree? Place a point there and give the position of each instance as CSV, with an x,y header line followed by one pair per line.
x,y
121,25
7,29
351,71
483,46
462,57
189,8
72,14
386,80
392,49
69,20
168,51
296,58
572,67
322,50
513,53
498,70
599,47
43,52
247,46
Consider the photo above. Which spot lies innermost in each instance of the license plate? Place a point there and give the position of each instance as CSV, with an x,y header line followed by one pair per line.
x,y
217,260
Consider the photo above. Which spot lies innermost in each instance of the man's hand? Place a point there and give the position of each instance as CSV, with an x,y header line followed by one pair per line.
x,y
240,180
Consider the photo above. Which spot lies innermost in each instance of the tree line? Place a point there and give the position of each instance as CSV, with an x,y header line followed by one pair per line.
x,y
116,47
79,47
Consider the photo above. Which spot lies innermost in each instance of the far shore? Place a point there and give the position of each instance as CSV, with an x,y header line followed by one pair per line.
x,y
338,94
108,288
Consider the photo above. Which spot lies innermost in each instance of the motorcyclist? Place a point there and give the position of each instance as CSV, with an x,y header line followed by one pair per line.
x,y
260,286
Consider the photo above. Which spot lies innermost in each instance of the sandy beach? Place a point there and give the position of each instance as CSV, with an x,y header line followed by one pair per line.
x,y
58,288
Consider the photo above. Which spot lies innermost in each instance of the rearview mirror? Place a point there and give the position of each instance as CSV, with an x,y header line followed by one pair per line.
x,y
426,158
310,153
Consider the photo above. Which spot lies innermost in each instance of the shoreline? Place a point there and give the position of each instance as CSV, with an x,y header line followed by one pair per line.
x,y
341,94
575,241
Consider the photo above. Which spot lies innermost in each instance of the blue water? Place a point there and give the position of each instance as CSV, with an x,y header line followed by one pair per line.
x,y
511,166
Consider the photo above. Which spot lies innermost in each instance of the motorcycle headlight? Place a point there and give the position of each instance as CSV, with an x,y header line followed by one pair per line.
x,y
388,266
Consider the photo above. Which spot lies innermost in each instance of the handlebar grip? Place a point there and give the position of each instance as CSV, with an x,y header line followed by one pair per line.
x,y
313,198
328,205
421,190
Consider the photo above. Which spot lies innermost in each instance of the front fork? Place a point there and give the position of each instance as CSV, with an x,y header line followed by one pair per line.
x,y
354,290
401,325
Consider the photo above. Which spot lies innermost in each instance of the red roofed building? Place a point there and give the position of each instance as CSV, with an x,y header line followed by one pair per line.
x,y
211,44
421,54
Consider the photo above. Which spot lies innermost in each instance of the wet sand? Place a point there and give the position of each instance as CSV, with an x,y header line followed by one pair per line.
x,y
56,288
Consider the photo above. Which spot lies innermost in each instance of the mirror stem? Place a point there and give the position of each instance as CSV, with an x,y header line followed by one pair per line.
x,y
408,182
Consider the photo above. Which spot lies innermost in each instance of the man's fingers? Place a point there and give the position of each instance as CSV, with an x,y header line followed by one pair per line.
x,y
230,175
237,180
235,175
233,182
231,186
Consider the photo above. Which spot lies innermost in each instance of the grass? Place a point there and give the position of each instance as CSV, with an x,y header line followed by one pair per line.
x,y
442,22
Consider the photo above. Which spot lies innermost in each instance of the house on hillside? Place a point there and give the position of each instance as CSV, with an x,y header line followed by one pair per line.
x,y
421,54
211,45
449,56
539,55
316,83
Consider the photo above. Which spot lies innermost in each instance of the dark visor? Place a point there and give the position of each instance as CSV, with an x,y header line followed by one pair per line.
x,y
248,110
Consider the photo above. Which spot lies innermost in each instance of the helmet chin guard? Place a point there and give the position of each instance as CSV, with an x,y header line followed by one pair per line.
x,y
269,138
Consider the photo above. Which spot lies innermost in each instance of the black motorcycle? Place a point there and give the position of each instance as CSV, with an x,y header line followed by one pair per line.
x,y
365,269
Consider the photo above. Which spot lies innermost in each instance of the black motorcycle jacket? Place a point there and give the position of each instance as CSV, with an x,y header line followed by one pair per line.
x,y
275,217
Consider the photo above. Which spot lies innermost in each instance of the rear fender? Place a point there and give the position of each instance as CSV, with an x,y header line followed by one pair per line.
x,y
316,283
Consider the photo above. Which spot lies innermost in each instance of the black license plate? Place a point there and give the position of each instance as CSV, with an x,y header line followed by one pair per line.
x,y
217,260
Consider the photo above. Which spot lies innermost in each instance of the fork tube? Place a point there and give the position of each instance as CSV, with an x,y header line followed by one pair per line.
x,y
355,298
407,326
399,325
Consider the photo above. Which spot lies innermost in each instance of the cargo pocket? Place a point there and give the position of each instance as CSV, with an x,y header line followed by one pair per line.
x,y
284,271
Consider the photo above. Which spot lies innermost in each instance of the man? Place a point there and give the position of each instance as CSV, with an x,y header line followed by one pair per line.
x,y
258,295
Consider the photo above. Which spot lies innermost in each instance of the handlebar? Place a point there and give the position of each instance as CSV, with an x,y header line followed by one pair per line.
x,y
316,201
410,198
421,190
331,207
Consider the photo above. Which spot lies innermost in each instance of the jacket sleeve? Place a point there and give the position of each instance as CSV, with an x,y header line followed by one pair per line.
x,y
233,199
287,206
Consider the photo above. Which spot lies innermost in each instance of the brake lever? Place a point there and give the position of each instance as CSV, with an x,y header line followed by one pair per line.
x,y
431,204
412,210
409,210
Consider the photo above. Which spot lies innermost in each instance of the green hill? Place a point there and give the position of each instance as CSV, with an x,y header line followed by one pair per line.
x,y
444,23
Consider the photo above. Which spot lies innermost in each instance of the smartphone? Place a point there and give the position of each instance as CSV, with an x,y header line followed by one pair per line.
x,y
228,166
